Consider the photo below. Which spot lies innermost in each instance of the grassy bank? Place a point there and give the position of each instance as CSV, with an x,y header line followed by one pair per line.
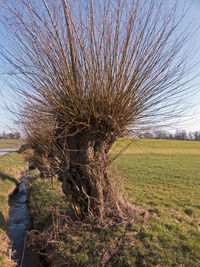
x,y
11,167
161,176
72,244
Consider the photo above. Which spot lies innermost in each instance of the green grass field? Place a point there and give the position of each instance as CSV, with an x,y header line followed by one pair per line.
x,y
10,143
161,176
11,167
164,177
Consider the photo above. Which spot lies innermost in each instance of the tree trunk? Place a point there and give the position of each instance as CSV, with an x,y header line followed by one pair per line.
x,y
86,180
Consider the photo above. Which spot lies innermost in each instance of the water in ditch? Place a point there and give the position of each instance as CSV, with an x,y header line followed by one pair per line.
x,y
19,224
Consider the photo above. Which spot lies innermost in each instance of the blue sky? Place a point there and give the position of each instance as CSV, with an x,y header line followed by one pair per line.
x,y
191,120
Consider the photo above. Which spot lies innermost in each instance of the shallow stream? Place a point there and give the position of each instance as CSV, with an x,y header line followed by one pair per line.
x,y
19,224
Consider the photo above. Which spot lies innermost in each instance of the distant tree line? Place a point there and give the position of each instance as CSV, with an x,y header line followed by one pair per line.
x,y
178,135
15,135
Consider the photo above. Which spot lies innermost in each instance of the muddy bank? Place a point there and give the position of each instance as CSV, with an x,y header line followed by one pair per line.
x,y
19,224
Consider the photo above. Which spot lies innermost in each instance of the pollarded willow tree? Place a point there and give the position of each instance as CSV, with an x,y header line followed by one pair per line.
x,y
93,69
39,136
48,157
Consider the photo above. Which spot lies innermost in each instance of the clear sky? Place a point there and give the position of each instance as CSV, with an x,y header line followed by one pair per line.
x,y
191,120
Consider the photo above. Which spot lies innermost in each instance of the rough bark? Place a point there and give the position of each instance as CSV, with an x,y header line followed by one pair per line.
x,y
86,180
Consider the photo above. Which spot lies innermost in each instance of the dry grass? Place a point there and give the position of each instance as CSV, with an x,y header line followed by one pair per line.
x,y
65,242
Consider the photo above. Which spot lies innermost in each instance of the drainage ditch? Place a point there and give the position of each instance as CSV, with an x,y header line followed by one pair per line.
x,y
19,224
